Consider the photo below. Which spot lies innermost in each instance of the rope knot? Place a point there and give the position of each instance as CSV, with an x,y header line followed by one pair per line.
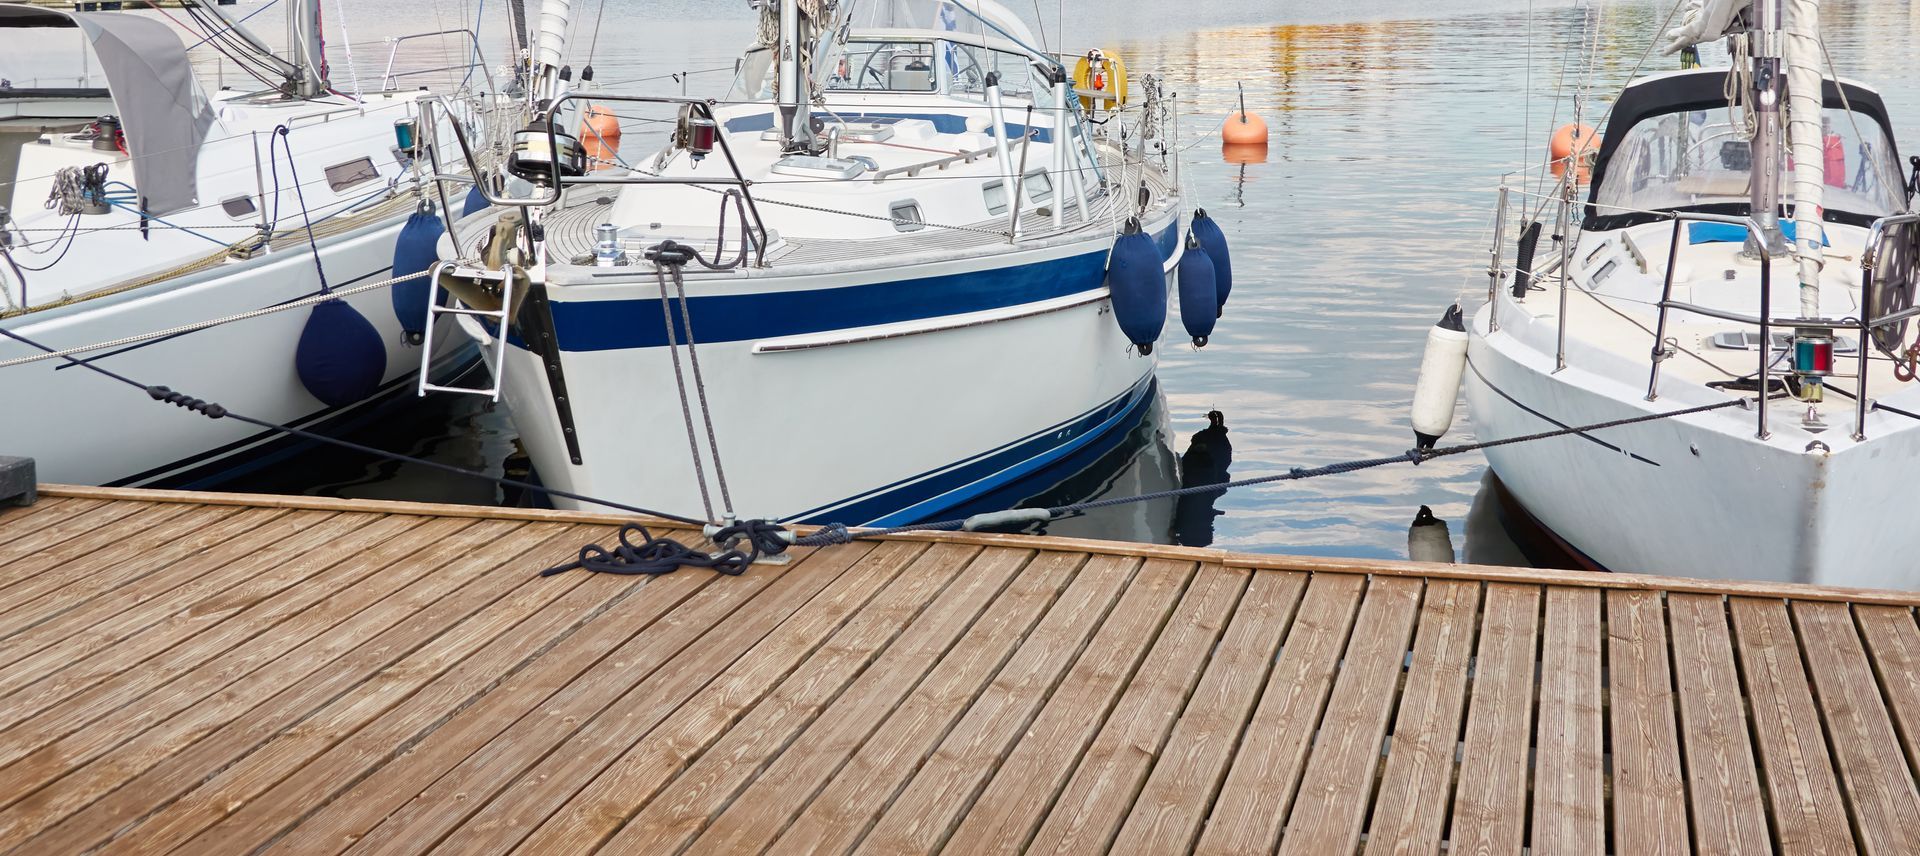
x,y
768,539
209,409
671,253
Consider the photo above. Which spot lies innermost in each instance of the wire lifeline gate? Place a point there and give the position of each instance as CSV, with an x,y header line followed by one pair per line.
x,y
1865,324
388,78
560,182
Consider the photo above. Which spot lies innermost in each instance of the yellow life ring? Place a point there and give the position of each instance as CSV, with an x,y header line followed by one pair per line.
x,y
1102,76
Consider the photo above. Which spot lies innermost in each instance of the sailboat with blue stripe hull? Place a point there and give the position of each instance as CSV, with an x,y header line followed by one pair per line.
x,y
909,297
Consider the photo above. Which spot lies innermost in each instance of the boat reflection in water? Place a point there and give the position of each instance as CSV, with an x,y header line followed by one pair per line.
x,y
1501,532
1127,461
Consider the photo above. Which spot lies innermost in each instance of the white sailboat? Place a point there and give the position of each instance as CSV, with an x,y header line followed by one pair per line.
x,y
175,206
1713,265
903,302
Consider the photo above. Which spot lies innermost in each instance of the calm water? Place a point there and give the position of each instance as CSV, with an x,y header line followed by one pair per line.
x,y
1370,213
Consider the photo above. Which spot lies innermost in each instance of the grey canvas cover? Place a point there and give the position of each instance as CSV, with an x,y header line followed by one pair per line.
x,y
162,110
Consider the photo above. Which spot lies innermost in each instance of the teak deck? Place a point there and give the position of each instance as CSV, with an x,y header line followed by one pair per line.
x,y
216,674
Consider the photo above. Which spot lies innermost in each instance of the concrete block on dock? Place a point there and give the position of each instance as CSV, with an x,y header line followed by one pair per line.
x,y
17,483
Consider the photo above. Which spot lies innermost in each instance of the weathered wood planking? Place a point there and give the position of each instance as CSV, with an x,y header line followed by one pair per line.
x,y
323,676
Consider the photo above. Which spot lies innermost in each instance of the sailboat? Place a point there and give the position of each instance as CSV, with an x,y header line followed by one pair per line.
x,y
911,257
1744,252
169,206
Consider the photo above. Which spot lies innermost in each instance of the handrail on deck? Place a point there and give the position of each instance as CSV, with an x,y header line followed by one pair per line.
x,y
387,77
703,106
1865,324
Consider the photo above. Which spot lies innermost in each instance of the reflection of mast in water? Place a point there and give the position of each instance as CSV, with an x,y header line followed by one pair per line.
x,y
1209,454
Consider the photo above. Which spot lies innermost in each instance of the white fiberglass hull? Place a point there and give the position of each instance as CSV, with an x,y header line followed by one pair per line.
x,y
84,428
1699,495
858,424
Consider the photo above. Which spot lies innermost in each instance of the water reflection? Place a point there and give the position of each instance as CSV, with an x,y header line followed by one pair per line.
x,y
1133,460
1500,532
1209,455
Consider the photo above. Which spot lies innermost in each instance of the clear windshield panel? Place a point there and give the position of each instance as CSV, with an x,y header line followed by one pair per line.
x,y
754,79
888,66
968,67
1701,157
960,16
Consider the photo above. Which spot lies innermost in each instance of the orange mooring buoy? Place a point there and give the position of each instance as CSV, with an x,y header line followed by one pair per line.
x,y
600,135
1243,128
1575,142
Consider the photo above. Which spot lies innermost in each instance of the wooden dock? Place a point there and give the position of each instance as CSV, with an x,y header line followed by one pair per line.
x,y
211,674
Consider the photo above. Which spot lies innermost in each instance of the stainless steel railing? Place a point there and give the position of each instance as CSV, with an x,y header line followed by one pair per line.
x,y
1865,324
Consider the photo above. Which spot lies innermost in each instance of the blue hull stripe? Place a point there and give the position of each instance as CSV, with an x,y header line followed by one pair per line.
x,y
920,497
609,325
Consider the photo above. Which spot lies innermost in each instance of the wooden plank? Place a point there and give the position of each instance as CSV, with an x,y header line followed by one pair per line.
x,y
187,638
1337,787
1409,814
1893,640
473,652
840,815
27,577
709,686
1310,564
60,526
861,714
1167,815
1649,792
1088,814
1490,799
1880,792
165,759
377,789
16,521
200,584
1807,812
1569,798
695,757
66,583
190,672
1723,784
655,668
1038,730
889,637
1259,787
331,754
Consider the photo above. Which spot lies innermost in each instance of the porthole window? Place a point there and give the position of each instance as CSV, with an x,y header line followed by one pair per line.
x,y
239,207
906,216
342,176
1039,186
996,193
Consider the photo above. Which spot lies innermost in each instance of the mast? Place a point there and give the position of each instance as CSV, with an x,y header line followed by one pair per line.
x,y
1806,140
1764,99
304,69
550,48
795,125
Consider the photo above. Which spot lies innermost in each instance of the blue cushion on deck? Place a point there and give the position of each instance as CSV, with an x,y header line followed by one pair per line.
x,y
1706,232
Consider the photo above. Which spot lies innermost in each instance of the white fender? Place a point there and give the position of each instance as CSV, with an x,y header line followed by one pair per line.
x,y
1438,388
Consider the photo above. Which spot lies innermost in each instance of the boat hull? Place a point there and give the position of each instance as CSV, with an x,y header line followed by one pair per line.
x,y
85,428
1699,495
873,423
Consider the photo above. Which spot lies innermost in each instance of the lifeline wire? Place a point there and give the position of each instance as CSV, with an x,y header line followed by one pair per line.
x,y
840,534
213,410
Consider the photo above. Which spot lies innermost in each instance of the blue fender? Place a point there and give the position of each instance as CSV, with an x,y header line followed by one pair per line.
x,y
1215,243
1138,283
1199,294
474,201
414,252
340,358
